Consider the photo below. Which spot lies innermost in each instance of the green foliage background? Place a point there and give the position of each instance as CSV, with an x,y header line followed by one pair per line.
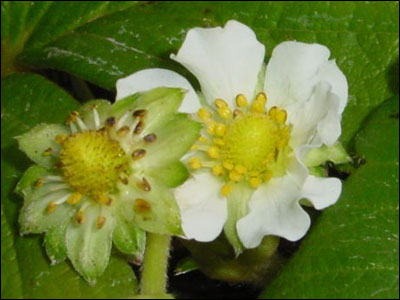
x,y
352,252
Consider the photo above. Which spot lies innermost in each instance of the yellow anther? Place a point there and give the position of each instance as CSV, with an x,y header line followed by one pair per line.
x,y
103,199
51,207
101,220
226,189
272,112
219,142
240,169
224,112
74,198
281,116
218,170
234,175
254,173
255,182
262,98
220,129
202,139
213,152
80,217
241,100
219,103
204,114
194,163
227,165
258,106
194,147
211,129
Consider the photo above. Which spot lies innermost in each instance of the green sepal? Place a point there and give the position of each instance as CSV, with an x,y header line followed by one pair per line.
x,y
128,238
160,105
159,212
88,246
237,203
40,138
30,177
86,112
171,175
336,154
173,141
54,241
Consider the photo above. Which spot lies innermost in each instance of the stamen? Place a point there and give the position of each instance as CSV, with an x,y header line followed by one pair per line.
x,y
123,131
138,154
211,128
96,118
194,163
122,119
255,182
101,220
141,113
202,139
224,112
73,128
281,116
220,129
139,127
262,98
219,142
219,103
141,206
150,138
38,183
213,152
110,121
80,215
218,170
144,185
241,100
237,112
81,124
48,152
74,198
204,114
227,165
240,169
226,189
61,138
234,175
51,207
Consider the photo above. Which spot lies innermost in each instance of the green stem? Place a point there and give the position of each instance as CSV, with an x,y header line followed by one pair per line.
x,y
155,263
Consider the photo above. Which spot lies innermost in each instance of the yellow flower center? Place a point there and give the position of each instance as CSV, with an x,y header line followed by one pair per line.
x,y
248,144
91,163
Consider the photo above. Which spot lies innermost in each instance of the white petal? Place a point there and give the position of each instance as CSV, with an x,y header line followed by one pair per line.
x,y
295,68
226,61
203,210
322,192
317,120
151,78
275,210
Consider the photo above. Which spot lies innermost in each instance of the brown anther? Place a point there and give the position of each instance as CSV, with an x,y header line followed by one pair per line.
x,y
109,201
123,131
124,180
237,112
38,183
51,207
141,113
80,217
58,165
139,127
110,121
101,220
150,138
138,154
144,185
48,151
72,116
141,206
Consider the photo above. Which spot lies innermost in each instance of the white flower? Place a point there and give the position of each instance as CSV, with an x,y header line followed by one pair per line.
x,y
249,171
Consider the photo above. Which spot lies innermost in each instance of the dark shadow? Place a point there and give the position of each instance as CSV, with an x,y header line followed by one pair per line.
x,y
393,77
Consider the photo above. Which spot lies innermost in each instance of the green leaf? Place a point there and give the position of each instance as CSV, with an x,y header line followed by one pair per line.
x,y
24,104
362,36
353,250
37,23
